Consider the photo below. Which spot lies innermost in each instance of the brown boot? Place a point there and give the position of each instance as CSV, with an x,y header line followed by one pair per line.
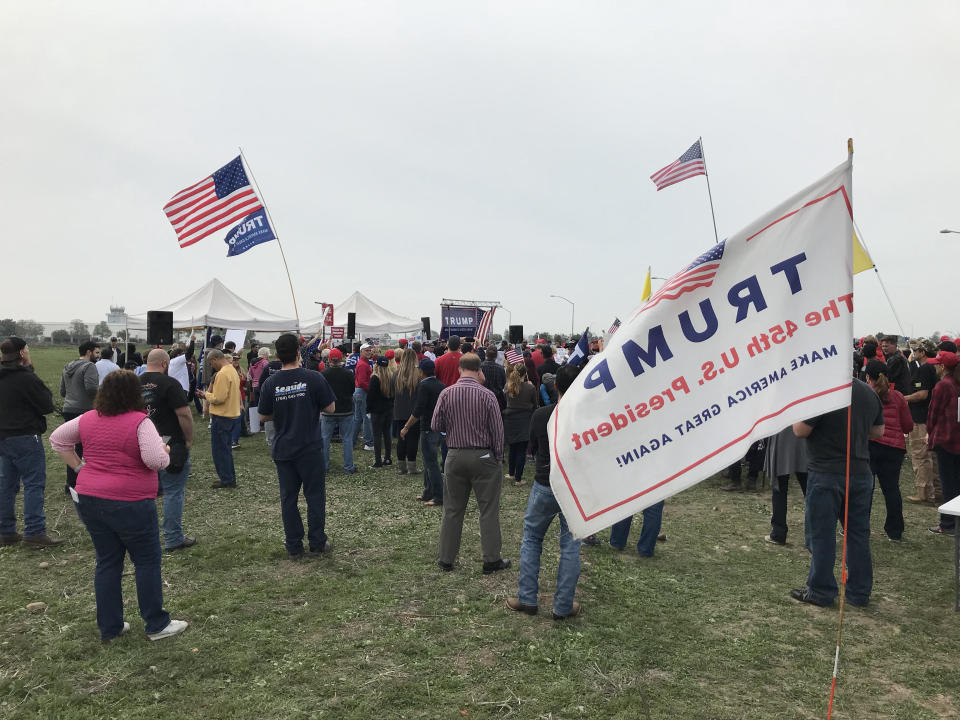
x,y
10,539
42,541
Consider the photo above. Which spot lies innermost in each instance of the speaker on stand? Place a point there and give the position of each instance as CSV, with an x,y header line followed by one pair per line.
x,y
159,327
516,334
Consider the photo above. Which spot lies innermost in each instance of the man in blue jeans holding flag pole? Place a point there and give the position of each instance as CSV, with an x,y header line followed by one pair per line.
x,y
542,508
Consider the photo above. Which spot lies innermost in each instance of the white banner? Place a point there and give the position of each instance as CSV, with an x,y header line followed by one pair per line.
x,y
752,336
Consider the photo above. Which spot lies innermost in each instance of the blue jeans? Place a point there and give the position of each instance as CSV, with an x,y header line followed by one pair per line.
x,y
305,471
22,461
237,429
432,479
542,508
652,518
173,485
118,527
328,423
360,419
221,436
517,460
824,500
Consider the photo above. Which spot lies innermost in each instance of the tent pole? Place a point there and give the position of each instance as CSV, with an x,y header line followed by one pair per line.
x,y
277,236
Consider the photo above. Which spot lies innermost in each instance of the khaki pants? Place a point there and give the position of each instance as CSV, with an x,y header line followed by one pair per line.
x,y
924,465
480,471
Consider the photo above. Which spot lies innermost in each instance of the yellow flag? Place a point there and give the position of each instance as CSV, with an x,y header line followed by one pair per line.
x,y
646,286
861,260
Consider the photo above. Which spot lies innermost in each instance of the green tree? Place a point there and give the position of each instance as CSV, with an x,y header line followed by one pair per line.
x,y
102,330
29,330
8,327
122,335
79,330
496,338
60,337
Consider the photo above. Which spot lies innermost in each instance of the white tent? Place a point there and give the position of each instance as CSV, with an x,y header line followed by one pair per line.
x,y
215,305
372,319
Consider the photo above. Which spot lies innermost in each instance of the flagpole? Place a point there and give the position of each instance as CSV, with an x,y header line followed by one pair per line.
x,y
276,235
883,287
709,194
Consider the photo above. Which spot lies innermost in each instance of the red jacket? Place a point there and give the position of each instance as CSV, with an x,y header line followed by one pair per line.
x,y
943,428
362,374
897,421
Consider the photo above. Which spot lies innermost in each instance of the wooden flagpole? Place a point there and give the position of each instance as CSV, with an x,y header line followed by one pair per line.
x,y
709,193
276,236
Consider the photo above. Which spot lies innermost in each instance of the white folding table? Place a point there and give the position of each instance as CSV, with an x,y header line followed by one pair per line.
x,y
953,508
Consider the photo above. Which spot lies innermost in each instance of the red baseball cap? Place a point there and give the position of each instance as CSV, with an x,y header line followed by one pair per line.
x,y
335,354
389,354
948,359
403,341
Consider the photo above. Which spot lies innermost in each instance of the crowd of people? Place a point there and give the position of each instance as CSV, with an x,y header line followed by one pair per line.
x,y
474,414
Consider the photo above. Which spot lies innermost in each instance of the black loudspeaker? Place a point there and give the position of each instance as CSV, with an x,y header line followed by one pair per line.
x,y
426,326
351,325
516,334
159,327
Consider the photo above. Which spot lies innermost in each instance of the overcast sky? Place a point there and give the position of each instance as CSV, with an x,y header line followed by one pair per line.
x,y
421,150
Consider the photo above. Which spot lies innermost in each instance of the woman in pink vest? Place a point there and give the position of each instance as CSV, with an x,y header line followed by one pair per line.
x,y
116,499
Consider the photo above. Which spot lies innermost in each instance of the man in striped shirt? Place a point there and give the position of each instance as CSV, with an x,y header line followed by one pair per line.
x,y
470,416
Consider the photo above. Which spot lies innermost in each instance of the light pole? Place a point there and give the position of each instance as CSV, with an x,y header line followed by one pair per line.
x,y
945,230
573,309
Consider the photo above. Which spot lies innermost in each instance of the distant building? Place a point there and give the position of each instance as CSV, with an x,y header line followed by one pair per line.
x,y
117,315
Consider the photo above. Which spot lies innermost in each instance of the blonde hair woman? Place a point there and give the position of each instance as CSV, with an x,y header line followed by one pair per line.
x,y
405,383
380,407
521,402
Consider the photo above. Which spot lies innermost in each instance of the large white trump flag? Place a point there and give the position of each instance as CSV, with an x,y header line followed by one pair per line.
x,y
753,335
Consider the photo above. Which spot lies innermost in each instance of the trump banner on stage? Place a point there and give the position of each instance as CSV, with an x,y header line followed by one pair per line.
x,y
753,335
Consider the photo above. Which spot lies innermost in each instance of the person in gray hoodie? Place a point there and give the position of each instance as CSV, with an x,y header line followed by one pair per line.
x,y
78,387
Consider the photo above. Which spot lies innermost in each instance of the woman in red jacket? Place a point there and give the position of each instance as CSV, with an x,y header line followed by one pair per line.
x,y
887,453
116,499
943,432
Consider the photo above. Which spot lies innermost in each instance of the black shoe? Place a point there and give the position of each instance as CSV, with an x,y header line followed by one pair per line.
x,y
591,541
376,466
388,461
42,541
803,595
854,603
773,541
187,542
733,487
446,567
10,539
217,485
325,550
501,564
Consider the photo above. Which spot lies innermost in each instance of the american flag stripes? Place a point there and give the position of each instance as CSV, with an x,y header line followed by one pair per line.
x,y
484,327
219,201
688,165
513,356
698,274
614,327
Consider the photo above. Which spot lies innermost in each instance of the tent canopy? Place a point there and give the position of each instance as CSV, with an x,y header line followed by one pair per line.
x,y
372,319
215,305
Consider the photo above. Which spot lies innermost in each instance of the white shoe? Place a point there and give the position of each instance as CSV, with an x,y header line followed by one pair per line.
x,y
126,628
175,627
368,448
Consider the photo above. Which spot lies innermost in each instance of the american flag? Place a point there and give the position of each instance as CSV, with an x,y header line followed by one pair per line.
x,y
614,327
218,201
698,274
688,165
513,356
485,322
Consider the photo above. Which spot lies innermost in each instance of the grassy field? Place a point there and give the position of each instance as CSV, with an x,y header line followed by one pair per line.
x,y
705,629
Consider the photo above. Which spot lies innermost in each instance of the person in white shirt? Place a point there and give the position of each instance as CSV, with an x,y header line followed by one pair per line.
x,y
178,364
428,351
106,365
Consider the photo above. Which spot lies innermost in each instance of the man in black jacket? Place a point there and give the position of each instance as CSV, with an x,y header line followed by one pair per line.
x,y
25,400
898,372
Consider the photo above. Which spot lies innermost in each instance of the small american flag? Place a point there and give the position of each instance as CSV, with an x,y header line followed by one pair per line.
x,y
219,201
614,327
485,322
688,165
513,356
698,274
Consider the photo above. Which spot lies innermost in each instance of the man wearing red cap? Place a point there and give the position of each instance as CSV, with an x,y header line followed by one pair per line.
x,y
341,381
943,432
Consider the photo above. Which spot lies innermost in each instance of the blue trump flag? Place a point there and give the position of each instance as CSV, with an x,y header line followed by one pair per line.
x,y
581,351
253,230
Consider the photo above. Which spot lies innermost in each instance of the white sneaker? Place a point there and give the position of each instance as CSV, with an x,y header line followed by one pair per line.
x,y
368,448
126,628
175,627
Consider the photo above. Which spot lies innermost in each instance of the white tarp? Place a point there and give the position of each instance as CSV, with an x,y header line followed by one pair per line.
x,y
372,319
752,336
215,305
